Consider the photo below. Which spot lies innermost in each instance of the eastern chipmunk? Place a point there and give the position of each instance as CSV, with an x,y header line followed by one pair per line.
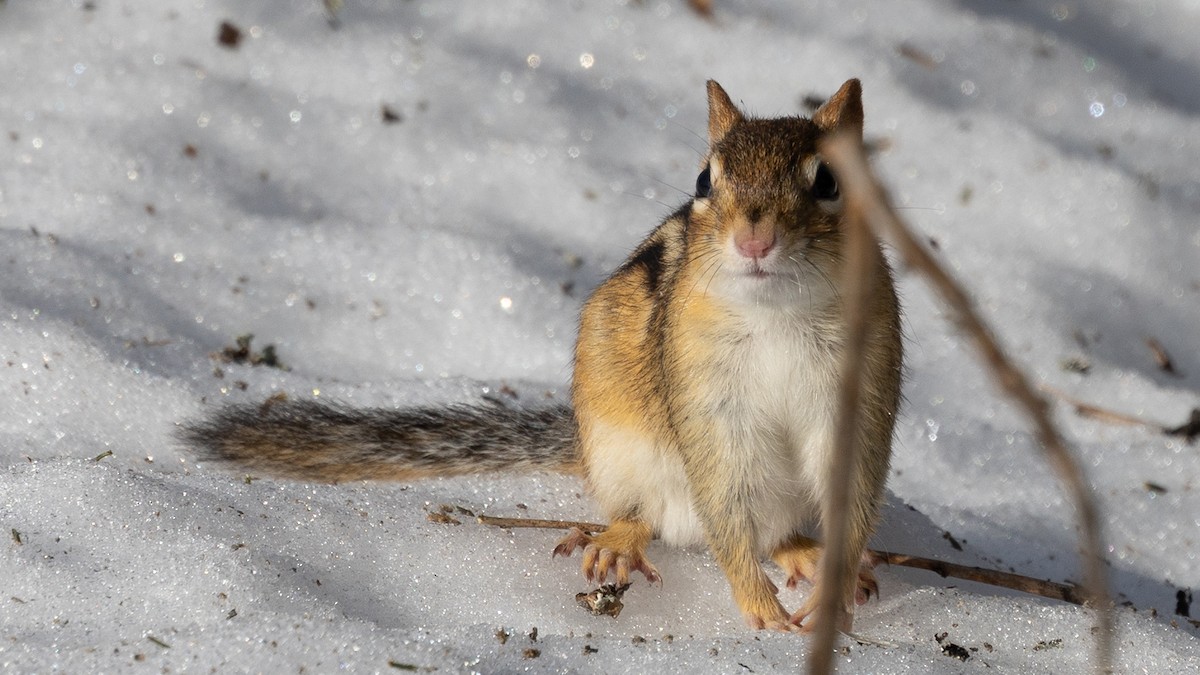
x,y
704,396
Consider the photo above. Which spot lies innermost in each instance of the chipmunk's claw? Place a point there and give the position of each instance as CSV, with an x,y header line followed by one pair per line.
x,y
783,627
600,560
867,587
574,539
794,580
765,613
801,564
807,617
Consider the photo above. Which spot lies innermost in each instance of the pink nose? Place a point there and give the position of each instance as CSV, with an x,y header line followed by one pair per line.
x,y
756,246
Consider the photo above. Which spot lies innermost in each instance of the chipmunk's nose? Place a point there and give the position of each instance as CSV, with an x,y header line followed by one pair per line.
x,y
754,243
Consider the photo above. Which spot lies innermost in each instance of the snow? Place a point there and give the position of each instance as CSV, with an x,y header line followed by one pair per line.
x,y
162,194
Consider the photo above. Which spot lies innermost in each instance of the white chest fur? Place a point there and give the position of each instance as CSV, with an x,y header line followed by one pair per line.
x,y
786,377
771,400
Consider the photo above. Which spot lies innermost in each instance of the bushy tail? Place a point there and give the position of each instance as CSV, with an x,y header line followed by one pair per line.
x,y
326,442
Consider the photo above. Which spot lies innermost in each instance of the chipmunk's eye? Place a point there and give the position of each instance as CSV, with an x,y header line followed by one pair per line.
x,y
824,187
704,184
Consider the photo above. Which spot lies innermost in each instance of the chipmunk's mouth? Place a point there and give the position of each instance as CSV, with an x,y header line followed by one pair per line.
x,y
755,271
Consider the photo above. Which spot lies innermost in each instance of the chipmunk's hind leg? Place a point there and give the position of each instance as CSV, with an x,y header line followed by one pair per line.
x,y
800,557
619,550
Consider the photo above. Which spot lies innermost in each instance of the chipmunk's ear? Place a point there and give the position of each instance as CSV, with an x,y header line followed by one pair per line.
x,y
843,110
722,113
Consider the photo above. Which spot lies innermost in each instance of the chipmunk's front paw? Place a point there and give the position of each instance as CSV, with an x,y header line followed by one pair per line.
x,y
617,551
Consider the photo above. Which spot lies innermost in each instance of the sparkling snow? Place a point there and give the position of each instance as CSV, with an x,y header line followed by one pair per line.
x,y
162,194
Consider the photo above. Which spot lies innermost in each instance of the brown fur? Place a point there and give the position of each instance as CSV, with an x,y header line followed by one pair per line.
x,y
654,337
705,379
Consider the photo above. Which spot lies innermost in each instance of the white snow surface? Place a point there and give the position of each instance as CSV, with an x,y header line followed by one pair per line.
x,y
162,194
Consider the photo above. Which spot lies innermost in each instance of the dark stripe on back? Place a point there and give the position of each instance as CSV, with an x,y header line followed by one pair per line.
x,y
650,258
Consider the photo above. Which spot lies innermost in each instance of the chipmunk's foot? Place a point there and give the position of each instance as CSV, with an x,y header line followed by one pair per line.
x,y
808,617
616,551
761,610
800,558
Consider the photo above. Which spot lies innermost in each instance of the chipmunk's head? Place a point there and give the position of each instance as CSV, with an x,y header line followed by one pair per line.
x,y
766,203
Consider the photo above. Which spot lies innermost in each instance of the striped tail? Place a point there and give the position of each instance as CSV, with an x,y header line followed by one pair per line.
x,y
328,442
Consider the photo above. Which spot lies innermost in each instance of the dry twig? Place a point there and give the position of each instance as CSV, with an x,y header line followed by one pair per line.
x,y
589,528
1046,589
702,7
1189,430
1162,359
862,260
844,153
1085,409
1017,582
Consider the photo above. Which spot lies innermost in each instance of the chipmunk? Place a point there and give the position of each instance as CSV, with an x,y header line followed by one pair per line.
x,y
705,384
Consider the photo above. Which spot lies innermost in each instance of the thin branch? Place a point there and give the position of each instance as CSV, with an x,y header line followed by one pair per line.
x,y
1017,582
1189,430
849,163
1046,589
1085,409
861,264
589,528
